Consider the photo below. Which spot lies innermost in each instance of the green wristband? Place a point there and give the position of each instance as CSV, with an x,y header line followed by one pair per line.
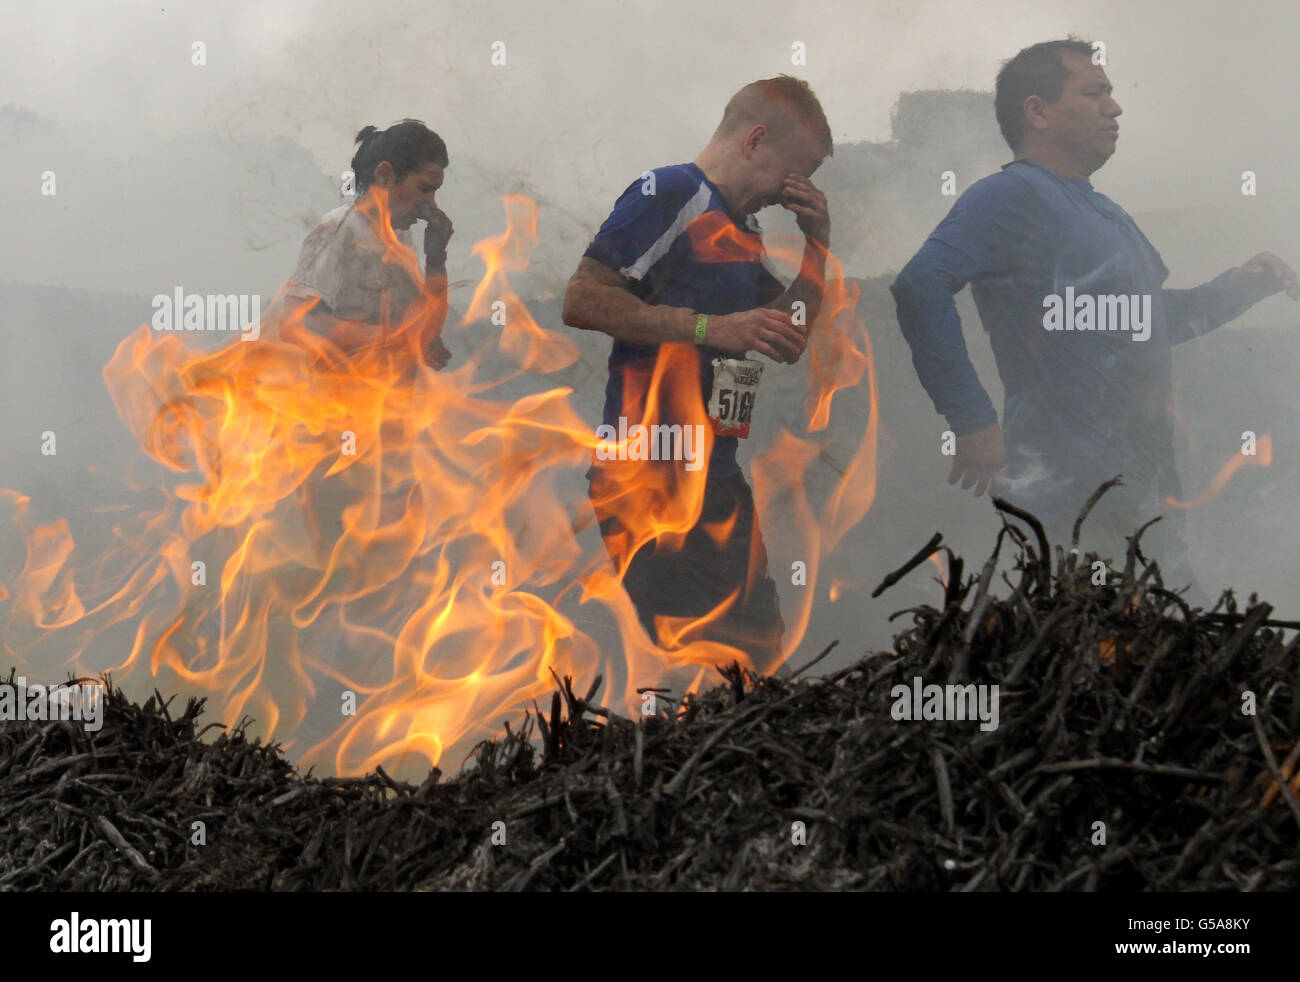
x,y
701,324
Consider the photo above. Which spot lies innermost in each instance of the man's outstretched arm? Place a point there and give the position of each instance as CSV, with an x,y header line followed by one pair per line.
x,y
1201,309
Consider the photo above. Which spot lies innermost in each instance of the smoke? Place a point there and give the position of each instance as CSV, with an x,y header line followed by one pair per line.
x,y
208,176
589,96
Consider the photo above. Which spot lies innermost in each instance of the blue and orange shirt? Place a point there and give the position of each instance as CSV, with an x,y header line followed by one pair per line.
x,y
671,234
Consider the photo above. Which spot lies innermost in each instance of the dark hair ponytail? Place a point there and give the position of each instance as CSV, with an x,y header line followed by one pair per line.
x,y
406,145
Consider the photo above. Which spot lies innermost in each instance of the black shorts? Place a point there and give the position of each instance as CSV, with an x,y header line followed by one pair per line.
x,y
699,576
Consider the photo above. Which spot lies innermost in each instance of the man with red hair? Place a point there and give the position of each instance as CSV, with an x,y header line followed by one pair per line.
x,y
680,261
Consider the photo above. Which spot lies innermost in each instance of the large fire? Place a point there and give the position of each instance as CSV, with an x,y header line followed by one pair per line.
x,y
378,562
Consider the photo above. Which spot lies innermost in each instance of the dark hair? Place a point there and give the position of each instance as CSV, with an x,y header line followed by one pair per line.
x,y
1037,70
406,145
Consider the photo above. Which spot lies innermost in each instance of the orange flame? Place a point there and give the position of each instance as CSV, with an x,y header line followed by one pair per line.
x,y
1262,458
933,560
717,239
393,552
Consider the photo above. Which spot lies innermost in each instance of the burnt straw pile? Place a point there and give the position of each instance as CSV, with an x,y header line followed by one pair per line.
x,y
1139,744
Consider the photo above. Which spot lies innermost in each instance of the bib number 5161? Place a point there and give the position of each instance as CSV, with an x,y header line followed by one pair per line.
x,y
735,387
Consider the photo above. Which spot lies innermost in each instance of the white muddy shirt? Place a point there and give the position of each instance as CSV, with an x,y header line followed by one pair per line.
x,y
342,263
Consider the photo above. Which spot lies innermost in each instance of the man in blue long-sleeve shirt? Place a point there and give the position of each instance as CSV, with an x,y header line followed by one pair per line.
x,y
1071,293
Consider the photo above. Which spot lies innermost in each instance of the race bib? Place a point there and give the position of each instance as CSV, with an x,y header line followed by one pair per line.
x,y
735,386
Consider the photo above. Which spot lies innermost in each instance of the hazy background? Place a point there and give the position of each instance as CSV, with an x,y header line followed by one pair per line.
x,y
212,174
209,177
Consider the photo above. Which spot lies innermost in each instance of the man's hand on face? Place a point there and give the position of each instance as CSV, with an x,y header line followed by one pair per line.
x,y
436,354
812,214
1262,276
979,459
767,331
437,233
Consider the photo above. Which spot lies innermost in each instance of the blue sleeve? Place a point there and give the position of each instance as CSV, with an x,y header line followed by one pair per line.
x,y
629,239
1201,309
990,231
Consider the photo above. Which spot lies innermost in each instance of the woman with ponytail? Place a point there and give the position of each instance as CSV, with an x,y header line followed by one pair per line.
x,y
350,265
361,285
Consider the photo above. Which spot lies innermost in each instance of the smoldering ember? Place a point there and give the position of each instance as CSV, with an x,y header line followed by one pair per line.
x,y
1123,760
